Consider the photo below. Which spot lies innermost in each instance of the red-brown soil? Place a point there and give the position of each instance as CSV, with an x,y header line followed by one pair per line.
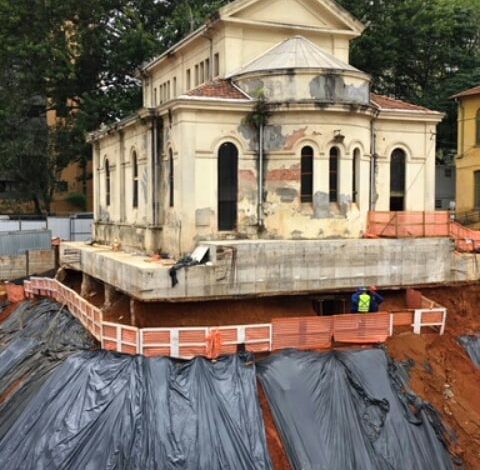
x,y
443,374
221,312
277,452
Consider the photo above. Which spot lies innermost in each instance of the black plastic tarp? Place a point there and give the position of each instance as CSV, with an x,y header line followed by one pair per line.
x,y
34,341
471,344
105,411
347,411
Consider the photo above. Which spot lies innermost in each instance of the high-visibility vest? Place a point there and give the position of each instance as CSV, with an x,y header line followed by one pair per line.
x,y
364,302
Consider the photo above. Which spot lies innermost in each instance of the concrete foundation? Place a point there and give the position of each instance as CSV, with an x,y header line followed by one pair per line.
x,y
270,268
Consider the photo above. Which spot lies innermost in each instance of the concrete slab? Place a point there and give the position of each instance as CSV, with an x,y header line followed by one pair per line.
x,y
270,267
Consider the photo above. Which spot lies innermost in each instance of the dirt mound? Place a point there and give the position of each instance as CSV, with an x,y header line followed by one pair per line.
x,y
443,373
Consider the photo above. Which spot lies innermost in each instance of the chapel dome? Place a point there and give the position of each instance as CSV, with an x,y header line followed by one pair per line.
x,y
298,70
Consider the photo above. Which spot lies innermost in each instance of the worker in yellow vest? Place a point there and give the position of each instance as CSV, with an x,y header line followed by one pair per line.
x,y
364,301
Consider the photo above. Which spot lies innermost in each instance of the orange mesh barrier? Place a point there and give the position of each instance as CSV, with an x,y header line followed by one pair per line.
x,y
414,298
192,336
189,352
409,224
156,351
362,328
435,316
214,344
156,337
422,225
302,333
15,293
110,345
403,318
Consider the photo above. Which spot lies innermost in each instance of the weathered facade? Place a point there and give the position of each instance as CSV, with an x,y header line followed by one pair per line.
x,y
191,166
468,155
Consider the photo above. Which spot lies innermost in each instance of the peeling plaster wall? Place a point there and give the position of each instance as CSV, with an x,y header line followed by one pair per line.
x,y
194,136
120,220
418,140
326,87
236,45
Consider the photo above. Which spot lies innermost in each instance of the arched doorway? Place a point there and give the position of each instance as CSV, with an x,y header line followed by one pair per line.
x,y
397,180
227,187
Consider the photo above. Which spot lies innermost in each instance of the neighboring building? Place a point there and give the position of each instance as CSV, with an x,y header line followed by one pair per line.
x,y
74,191
445,186
468,157
185,169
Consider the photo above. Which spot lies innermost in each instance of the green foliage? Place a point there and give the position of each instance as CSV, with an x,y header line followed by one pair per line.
x,y
421,51
261,112
78,58
78,200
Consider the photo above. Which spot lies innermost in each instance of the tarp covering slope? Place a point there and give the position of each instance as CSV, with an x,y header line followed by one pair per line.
x,y
106,411
346,411
471,344
34,341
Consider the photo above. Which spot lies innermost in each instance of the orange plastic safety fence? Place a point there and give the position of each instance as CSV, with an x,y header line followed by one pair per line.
x,y
302,333
403,318
15,293
214,344
409,224
362,328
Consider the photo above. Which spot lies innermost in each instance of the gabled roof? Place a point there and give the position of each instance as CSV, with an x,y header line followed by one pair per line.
x,y
341,15
294,53
470,92
384,103
349,24
219,89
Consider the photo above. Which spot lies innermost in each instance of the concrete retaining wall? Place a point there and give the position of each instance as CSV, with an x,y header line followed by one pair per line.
x,y
268,268
33,262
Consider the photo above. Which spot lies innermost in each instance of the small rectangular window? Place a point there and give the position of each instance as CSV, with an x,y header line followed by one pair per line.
x,y
168,90
155,96
216,65
171,176
208,75
306,177
202,72
333,175
174,87
197,75
189,80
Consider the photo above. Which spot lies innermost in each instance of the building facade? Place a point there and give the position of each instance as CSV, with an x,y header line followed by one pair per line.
x,y
468,155
195,165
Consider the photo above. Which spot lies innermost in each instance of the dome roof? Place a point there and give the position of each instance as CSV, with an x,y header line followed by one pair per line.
x,y
294,53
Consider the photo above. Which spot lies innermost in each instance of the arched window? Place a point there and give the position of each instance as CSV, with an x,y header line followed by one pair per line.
x,y
135,179
107,182
356,175
171,177
306,181
397,180
227,187
333,172
478,127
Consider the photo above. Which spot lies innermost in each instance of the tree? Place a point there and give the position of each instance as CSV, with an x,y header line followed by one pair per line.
x,y
75,61
422,51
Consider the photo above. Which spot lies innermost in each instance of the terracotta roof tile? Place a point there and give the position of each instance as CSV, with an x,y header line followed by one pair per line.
x,y
218,89
471,92
385,102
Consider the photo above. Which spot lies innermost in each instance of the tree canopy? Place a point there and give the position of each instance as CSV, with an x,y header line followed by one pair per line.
x,y
78,59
